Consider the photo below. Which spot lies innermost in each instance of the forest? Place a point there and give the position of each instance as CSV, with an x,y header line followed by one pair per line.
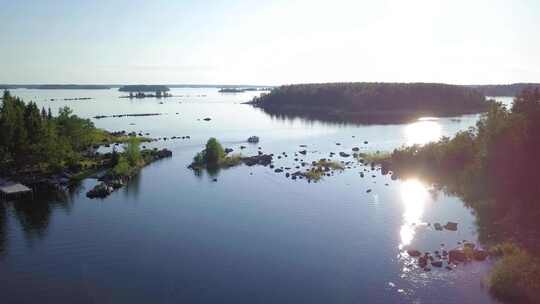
x,y
36,139
371,101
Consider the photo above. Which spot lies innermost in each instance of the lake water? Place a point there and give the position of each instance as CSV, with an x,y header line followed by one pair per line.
x,y
253,236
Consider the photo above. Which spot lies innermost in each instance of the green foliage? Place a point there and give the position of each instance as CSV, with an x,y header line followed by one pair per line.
x,y
214,153
133,152
213,157
122,168
516,277
231,160
331,164
314,174
505,248
320,168
30,138
199,158
375,157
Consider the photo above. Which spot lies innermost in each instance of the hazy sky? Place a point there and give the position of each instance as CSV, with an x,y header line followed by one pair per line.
x,y
269,42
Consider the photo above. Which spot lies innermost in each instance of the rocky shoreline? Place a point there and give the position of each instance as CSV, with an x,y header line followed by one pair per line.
x,y
110,182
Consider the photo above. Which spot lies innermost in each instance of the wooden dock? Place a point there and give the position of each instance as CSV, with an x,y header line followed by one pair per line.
x,y
13,190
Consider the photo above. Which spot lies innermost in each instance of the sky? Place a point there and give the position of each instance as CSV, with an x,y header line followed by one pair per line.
x,y
269,42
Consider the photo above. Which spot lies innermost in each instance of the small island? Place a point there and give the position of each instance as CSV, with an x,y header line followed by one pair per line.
x,y
371,102
145,91
214,157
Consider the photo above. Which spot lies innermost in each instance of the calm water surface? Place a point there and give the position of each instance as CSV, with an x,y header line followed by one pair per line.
x,y
252,237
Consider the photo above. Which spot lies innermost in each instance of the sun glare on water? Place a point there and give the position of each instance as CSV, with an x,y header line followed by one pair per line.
x,y
414,196
423,131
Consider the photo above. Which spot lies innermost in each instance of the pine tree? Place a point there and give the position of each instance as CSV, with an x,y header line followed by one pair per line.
x,y
43,113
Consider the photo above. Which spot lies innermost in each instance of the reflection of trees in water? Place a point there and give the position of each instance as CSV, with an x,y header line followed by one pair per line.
x,y
34,215
3,228
328,117
211,171
133,186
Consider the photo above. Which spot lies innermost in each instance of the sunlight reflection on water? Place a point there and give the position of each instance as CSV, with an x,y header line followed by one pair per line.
x,y
414,196
424,130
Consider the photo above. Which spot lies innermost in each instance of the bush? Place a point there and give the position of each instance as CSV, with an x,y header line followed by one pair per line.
x,y
199,159
516,277
122,168
232,160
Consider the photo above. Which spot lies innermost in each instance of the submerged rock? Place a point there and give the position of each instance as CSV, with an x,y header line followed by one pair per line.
x,y
264,160
457,255
101,190
480,255
414,253
451,226
437,263
422,261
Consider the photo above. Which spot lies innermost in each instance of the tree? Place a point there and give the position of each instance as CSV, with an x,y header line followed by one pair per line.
x,y
43,113
133,152
114,157
214,152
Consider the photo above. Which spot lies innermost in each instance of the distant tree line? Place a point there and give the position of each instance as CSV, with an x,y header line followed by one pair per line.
x,y
504,89
351,100
35,139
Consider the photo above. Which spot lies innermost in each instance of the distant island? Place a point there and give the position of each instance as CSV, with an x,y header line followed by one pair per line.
x,y
142,91
371,102
144,88
510,90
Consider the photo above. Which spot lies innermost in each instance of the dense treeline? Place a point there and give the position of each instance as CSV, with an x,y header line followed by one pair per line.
x,y
504,89
351,101
494,168
31,138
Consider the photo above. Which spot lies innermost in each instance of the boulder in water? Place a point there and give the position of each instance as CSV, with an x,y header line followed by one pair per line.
x,y
253,139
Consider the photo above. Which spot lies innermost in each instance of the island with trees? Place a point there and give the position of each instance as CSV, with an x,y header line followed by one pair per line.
x,y
38,148
371,102
494,169
214,157
144,91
